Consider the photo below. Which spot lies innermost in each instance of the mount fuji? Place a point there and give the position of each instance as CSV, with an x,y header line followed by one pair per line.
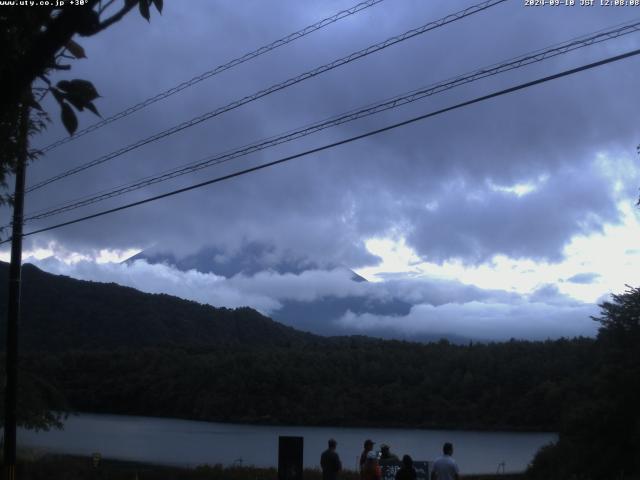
x,y
318,316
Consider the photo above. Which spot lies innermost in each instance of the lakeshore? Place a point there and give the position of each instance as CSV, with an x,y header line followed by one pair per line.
x,y
46,466
185,443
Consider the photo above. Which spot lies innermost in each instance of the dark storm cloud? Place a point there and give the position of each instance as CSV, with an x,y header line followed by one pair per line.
x,y
550,295
475,222
430,181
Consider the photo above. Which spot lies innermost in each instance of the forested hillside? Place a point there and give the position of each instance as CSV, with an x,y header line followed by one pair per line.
x,y
61,313
107,348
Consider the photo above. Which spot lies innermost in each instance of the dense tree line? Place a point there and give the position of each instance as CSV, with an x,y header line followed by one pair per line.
x,y
350,381
600,437
106,348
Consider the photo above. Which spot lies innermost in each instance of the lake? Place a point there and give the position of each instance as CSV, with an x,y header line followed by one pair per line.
x,y
190,443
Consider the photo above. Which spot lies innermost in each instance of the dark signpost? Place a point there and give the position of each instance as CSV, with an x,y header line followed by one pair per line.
x,y
390,469
290,451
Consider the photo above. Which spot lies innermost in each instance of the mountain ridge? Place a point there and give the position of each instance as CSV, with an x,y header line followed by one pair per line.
x,y
62,313
251,259
318,316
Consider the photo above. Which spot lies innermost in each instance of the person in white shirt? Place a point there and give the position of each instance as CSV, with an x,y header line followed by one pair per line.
x,y
445,467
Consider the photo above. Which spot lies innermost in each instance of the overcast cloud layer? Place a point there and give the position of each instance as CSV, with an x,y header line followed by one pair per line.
x,y
446,185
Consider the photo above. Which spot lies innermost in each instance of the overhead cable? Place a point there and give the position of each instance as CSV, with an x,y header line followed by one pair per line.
x,y
274,88
521,86
215,71
404,99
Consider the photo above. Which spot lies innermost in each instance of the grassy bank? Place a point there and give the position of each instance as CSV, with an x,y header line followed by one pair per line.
x,y
66,467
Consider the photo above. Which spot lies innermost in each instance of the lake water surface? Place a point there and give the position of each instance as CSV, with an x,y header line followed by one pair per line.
x,y
189,443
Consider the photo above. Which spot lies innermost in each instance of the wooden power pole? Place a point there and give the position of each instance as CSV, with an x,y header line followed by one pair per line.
x,y
13,308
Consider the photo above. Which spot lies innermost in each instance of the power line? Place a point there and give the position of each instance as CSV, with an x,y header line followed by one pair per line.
x,y
400,100
274,88
219,69
500,67
343,142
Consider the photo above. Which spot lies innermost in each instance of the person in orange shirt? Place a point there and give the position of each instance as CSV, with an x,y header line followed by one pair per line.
x,y
371,469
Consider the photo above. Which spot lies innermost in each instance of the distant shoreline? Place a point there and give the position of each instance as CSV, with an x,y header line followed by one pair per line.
x,y
34,465
346,424
185,443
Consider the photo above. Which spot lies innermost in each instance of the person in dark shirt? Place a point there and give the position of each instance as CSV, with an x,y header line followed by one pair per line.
x,y
406,472
330,462
386,457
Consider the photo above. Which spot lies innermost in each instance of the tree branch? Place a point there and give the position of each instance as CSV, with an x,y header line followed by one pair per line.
x,y
43,49
128,6
107,5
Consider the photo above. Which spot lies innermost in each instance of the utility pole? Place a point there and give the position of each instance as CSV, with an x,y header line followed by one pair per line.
x,y
13,309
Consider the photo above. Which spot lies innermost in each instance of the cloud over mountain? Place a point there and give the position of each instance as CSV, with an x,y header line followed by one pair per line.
x,y
520,176
425,309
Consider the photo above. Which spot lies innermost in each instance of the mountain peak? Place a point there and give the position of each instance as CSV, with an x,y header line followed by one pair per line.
x,y
251,259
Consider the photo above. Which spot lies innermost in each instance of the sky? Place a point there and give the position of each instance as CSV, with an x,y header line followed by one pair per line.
x,y
510,218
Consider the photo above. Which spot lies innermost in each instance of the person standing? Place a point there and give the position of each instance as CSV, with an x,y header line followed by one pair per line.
x,y
406,471
330,462
445,467
371,469
386,457
368,447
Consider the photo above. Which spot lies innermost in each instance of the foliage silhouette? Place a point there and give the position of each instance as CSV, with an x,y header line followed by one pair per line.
x,y
36,41
600,439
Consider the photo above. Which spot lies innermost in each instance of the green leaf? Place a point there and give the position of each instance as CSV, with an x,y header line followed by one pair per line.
x,y
75,101
64,85
88,22
83,90
90,106
144,9
159,5
75,49
58,95
69,119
